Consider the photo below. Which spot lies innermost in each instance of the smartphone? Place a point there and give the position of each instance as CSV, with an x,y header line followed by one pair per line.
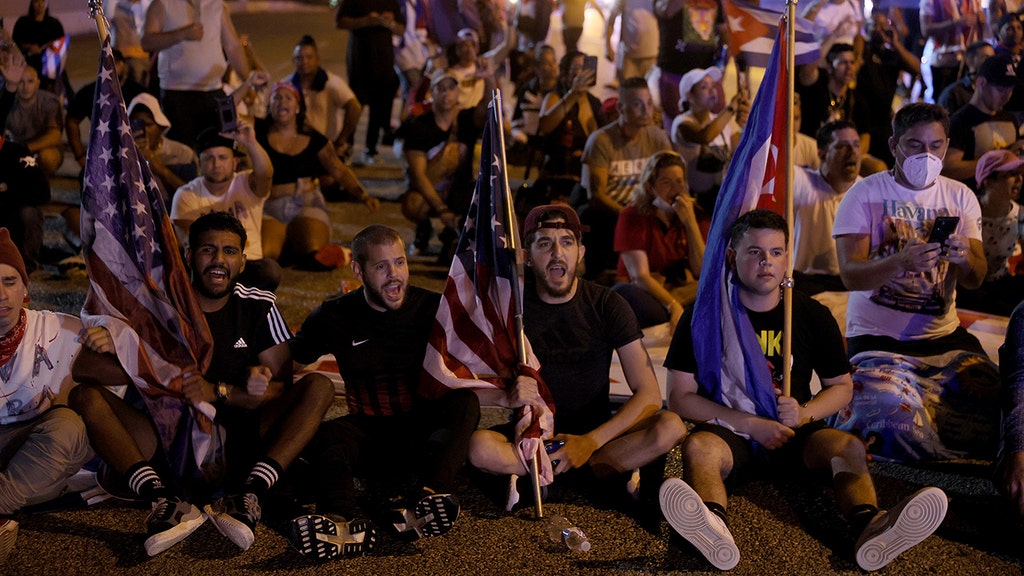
x,y
942,228
138,128
590,63
227,114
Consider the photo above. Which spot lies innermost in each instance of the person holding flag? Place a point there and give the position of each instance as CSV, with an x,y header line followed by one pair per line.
x,y
735,432
574,326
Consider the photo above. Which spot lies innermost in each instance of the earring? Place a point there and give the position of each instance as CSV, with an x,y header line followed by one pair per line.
x,y
27,299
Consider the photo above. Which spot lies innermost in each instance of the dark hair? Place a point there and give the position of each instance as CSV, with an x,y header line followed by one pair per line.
x,y
759,219
837,49
634,83
824,136
373,235
918,113
218,221
541,49
307,40
546,216
563,67
974,47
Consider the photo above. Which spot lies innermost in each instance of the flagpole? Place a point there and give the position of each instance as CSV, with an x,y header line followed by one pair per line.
x,y
517,296
96,13
787,283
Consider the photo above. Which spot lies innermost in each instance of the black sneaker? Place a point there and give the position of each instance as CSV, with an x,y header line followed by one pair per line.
x,y
432,515
324,538
236,517
170,522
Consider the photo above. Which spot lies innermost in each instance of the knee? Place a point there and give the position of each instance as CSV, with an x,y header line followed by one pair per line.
x,y
415,207
482,447
317,387
466,404
669,429
67,430
83,397
700,448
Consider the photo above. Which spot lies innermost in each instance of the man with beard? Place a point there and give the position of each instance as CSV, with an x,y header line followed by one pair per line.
x,y
816,196
378,335
220,187
265,420
574,326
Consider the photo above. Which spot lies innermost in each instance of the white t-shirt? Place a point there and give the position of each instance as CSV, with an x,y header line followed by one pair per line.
x,y
325,110
193,200
814,209
909,306
38,376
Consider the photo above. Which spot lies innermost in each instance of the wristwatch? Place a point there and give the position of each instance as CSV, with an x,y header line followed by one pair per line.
x,y
221,390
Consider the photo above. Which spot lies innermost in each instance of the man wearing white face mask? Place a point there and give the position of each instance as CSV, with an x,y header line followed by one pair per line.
x,y
904,337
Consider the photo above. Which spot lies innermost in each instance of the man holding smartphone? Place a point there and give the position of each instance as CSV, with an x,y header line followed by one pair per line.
x,y
912,358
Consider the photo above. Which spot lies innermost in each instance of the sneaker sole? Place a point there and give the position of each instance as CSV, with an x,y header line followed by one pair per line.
x,y
238,532
921,517
685,512
8,538
157,543
433,515
317,537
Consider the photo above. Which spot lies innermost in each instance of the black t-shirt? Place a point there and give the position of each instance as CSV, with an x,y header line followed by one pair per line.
x,y
816,101
975,132
574,342
244,327
370,53
289,168
29,31
817,344
81,103
689,38
379,354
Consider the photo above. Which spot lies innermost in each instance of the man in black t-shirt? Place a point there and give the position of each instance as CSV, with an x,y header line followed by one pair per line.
x,y
264,419
378,335
734,427
574,326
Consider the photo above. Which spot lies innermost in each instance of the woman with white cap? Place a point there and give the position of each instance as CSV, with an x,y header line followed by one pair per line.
x,y
705,135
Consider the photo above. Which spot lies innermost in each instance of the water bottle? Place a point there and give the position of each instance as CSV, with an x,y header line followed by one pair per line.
x,y
561,530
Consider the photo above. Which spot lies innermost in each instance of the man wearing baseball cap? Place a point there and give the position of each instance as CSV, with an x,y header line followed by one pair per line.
x,y
172,162
43,442
573,326
983,124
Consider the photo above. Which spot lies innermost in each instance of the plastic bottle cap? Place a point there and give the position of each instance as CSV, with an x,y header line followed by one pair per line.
x,y
585,546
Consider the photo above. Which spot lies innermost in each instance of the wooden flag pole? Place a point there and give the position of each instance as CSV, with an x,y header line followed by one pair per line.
x,y
787,283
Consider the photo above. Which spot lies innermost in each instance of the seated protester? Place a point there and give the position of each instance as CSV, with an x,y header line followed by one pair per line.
x,y
999,176
330,106
220,188
741,424
956,96
569,114
34,33
438,147
816,197
983,124
659,241
295,219
1010,467
464,64
172,162
613,158
378,335
23,188
573,326
80,107
42,441
705,138
923,383
1009,31
264,419
530,97
36,121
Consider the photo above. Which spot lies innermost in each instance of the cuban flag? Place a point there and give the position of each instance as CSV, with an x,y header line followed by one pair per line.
x,y
731,366
753,30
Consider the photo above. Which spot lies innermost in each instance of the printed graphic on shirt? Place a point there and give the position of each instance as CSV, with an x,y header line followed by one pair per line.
x,y
914,292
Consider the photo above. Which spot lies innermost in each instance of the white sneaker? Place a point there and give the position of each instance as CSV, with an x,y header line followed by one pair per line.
x,y
8,536
895,531
688,515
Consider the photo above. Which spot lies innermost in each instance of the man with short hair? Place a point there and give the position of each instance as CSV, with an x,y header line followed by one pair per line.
x,y
827,96
264,419
573,326
42,442
956,96
983,124
901,319
219,187
816,196
36,121
378,336
735,427
331,107
613,158
171,162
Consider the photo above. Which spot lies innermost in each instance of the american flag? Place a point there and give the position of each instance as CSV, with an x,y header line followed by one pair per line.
x,y
138,285
728,355
752,31
473,342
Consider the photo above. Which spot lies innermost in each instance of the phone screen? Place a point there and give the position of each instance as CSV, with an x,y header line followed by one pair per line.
x,y
590,63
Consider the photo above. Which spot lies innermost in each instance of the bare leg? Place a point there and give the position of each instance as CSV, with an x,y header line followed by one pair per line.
x,y
273,235
707,461
307,235
492,452
645,441
120,434
842,454
296,416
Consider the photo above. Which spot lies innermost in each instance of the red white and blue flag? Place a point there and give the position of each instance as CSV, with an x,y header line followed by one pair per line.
x,y
729,357
473,342
138,286
752,33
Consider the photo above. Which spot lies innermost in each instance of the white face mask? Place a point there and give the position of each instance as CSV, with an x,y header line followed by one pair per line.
x,y
921,170
661,204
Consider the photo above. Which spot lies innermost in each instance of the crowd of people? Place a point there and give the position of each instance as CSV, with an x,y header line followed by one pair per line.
x,y
907,208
